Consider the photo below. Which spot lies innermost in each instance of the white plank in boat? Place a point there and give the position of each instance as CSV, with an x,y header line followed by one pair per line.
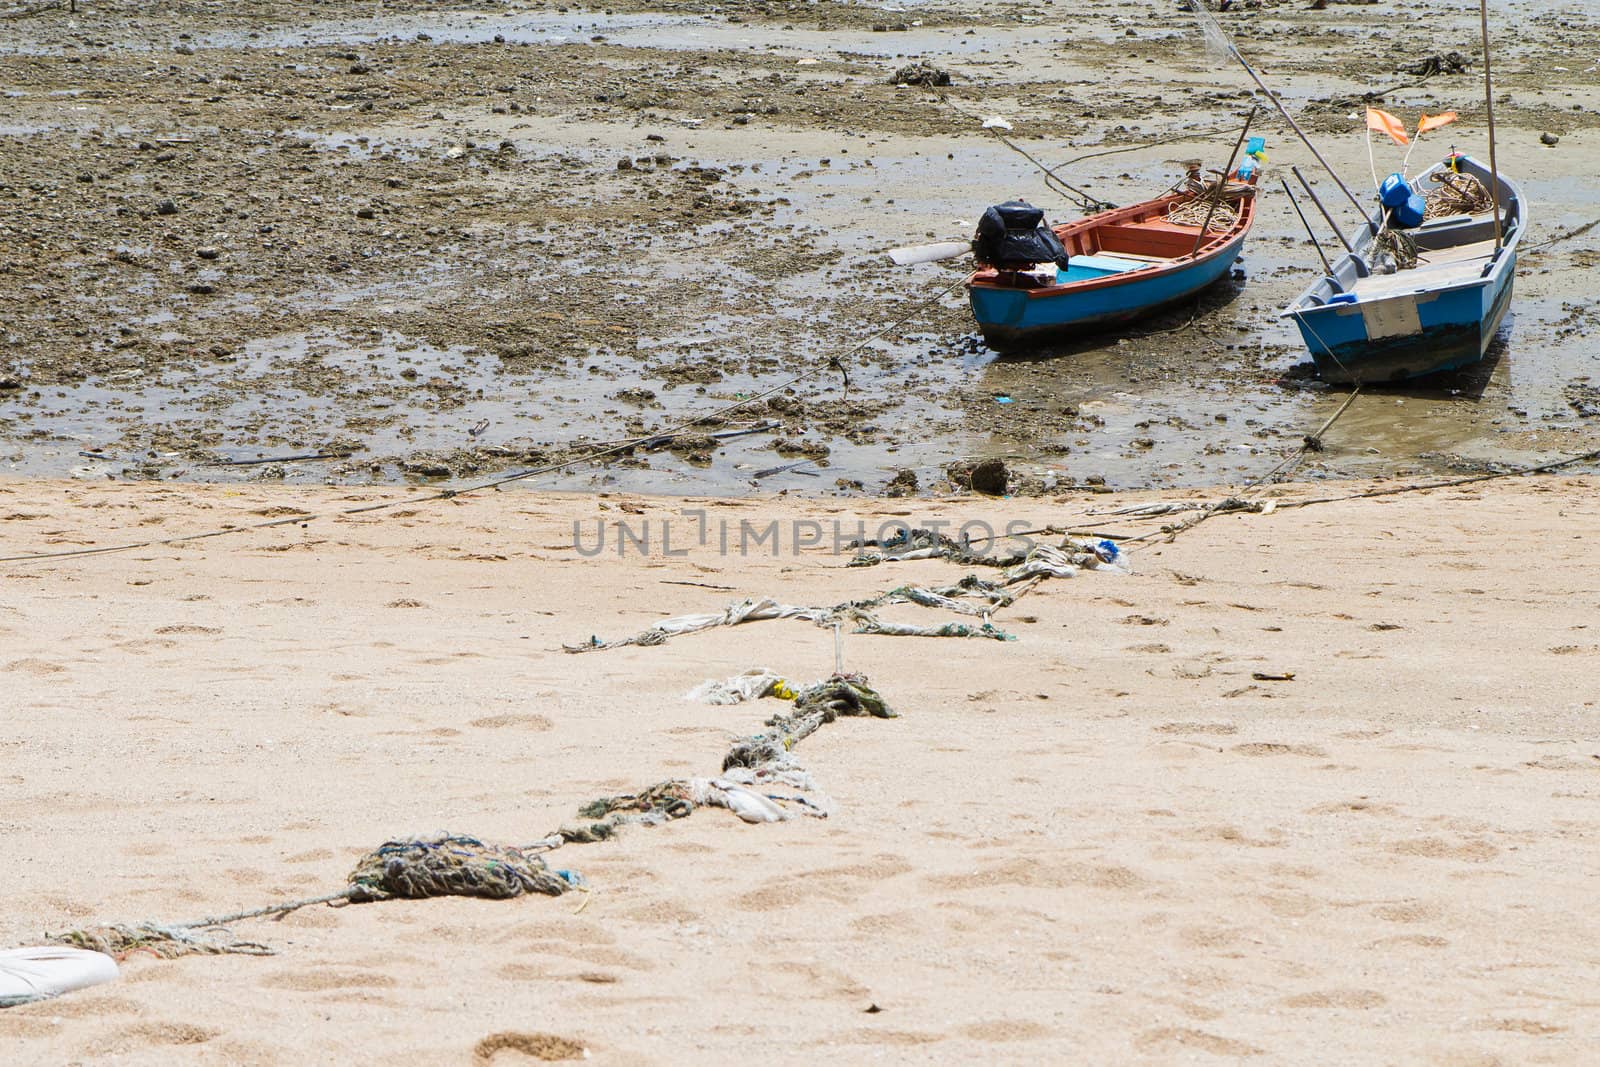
x,y
1419,279
1478,250
1112,262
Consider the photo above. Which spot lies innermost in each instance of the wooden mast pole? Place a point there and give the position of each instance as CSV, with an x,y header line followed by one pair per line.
x,y
1222,183
1488,97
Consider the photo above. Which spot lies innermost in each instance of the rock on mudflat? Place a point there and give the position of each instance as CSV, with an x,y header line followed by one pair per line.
x,y
988,476
904,483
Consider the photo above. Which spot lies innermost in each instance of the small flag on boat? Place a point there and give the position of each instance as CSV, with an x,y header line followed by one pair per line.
x,y
1384,122
1257,147
1433,122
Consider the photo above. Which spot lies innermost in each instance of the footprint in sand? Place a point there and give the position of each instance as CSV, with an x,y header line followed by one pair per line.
x,y
128,1039
525,722
1353,807
1031,872
1417,940
143,646
34,666
319,981
1357,999
890,924
1172,1038
1407,912
883,866
513,1046
1532,1027
817,981
1437,848
783,894
662,913
903,1038
88,1005
1217,728
316,855
1276,748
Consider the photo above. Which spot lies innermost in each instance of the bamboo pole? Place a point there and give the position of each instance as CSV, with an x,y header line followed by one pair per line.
x,y
1309,231
1315,199
1488,98
1222,185
1233,50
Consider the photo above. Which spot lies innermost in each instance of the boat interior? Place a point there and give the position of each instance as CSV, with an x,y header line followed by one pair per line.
x,y
1113,249
1138,237
1450,250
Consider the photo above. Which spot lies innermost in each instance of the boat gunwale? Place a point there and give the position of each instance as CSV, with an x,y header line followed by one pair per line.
x,y
1298,308
1144,211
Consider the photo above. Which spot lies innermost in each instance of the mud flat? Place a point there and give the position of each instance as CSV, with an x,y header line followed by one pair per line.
x,y
438,241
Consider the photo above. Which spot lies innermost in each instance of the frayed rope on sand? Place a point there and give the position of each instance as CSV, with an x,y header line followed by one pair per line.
x,y
1041,561
752,768
412,868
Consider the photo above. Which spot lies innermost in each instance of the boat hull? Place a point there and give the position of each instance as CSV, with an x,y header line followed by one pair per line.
x,y
1017,318
1457,327
1439,316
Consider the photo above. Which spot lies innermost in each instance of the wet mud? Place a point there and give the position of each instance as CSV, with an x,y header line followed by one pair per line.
x,y
355,243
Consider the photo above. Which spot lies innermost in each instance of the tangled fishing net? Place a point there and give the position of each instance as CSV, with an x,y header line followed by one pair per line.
x,y
433,866
921,543
120,940
1062,561
451,865
753,767
1393,250
760,609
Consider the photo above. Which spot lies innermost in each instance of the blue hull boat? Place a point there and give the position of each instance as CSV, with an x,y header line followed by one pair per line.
x,y
1363,324
1121,264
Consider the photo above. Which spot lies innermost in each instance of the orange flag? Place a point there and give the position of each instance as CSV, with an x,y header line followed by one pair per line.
x,y
1433,122
1384,122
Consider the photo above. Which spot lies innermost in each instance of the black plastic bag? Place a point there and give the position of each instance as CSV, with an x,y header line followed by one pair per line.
x,y
1014,236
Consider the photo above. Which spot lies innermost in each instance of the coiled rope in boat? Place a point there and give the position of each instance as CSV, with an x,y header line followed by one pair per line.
x,y
1458,194
1225,196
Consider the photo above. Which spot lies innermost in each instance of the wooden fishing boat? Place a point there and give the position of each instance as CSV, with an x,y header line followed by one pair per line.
x,y
1120,264
1438,314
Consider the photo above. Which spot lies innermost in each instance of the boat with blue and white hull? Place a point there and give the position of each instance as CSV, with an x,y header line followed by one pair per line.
x,y
1437,314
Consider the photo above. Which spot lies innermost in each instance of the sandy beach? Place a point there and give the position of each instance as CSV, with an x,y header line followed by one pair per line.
x,y
1105,841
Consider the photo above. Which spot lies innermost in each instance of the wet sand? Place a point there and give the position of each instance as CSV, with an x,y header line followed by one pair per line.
x,y
553,226
1106,841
